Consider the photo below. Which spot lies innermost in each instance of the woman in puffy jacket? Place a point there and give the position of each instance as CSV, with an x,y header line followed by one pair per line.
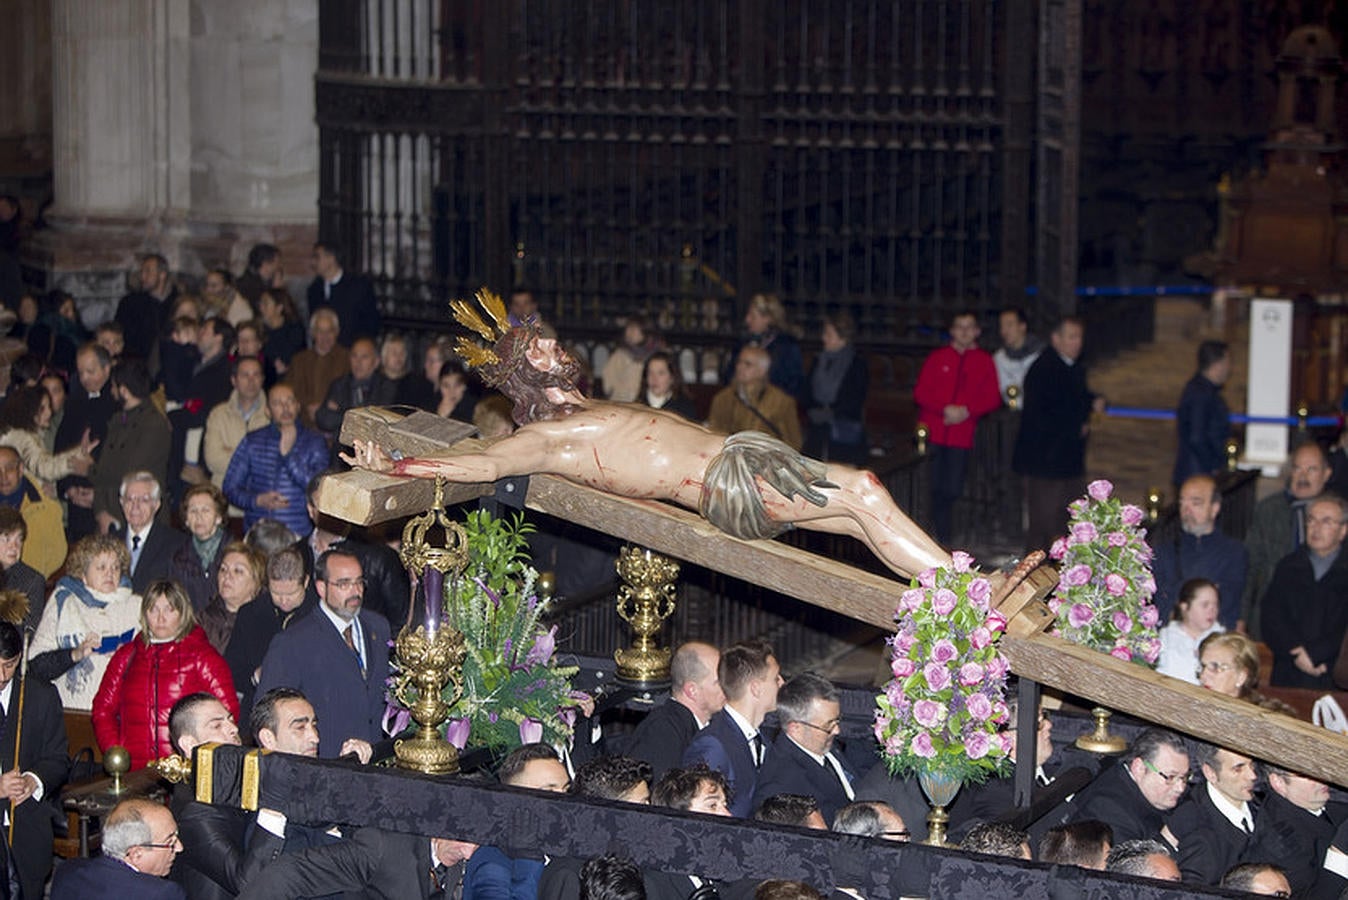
x,y
168,660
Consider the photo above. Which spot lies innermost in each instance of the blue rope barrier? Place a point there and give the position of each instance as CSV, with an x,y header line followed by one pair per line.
x,y
1137,412
1153,290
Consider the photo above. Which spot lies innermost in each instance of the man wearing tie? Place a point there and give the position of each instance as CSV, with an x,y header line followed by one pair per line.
x,y
337,655
731,743
1215,825
150,543
802,759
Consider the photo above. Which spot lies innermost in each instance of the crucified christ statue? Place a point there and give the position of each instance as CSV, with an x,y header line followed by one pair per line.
x,y
749,485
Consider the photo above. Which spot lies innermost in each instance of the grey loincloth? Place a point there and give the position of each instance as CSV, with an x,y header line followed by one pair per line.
x,y
731,499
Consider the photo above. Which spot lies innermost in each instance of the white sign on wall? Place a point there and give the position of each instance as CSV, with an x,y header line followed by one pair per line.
x,y
1269,383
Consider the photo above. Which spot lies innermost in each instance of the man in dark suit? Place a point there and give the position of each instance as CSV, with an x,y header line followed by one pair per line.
x,y
350,296
1051,445
695,696
1134,795
619,778
1215,824
89,406
731,743
491,874
34,784
150,541
140,841
1295,826
337,655
364,385
138,438
802,760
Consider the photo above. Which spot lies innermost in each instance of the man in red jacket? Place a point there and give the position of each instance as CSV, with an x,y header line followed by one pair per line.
x,y
956,388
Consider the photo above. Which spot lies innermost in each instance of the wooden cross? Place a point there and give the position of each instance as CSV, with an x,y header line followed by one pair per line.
x,y
365,498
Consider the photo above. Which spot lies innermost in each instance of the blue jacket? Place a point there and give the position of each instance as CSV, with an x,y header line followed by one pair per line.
x,y
721,745
257,467
102,876
1217,557
491,875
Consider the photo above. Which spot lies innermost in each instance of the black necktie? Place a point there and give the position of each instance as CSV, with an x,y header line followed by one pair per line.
x,y
757,744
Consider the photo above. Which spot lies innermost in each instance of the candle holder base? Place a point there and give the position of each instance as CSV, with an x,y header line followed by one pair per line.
x,y
429,755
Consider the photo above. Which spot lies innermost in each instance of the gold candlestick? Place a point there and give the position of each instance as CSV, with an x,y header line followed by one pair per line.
x,y
645,600
1100,740
117,762
923,432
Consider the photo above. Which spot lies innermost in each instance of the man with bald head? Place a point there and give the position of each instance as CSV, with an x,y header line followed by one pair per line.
x,y
695,696
140,842
364,385
1279,525
752,403
1200,550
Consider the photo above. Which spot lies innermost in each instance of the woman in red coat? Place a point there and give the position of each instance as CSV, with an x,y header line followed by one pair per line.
x,y
168,660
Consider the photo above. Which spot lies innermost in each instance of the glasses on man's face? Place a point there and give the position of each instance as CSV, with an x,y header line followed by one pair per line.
x,y
828,727
130,500
1172,780
167,843
347,584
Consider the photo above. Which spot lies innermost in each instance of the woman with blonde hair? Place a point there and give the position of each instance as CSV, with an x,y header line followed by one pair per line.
x,y
765,325
170,659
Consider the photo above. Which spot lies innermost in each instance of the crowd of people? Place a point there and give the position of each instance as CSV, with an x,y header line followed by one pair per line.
x,y
158,537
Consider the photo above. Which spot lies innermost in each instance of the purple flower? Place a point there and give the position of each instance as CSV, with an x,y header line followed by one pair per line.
x,y
1131,515
1077,575
1122,653
492,595
977,744
896,697
1004,739
980,637
922,745
979,706
1099,490
997,668
1116,538
937,676
903,642
1122,621
943,602
1116,584
531,731
980,592
970,674
1054,604
1151,649
395,719
902,667
1080,615
912,599
1083,533
541,651
1059,548
1149,615
1077,506
928,713
944,650
996,622
457,731
927,578
961,561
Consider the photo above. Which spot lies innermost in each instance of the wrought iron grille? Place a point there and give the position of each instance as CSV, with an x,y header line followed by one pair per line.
x,y
667,157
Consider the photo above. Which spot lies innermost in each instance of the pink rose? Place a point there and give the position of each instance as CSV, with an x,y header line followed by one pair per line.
x,y
1059,548
977,745
943,602
995,621
1077,575
980,592
1116,538
970,674
1116,584
1004,739
894,745
1122,621
943,651
927,578
1149,585
881,725
937,676
896,697
1122,653
979,707
1131,515
928,713
912,599
960,561
1151,650
1149,616
1000,711
997,668
1080,615
1054,604
902,667
1099,490
980,637
1078,506
922,745
1083,533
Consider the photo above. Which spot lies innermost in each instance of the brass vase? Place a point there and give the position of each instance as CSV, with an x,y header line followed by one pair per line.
x,y
645,600
940,789
427,661
1100,740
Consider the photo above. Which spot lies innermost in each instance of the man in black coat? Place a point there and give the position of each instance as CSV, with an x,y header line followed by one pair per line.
x,y
364,385
1134,795
1304,613
695,696
1055,420
802,759
34,784
1215,824
1295,826
150,540
1202,419
351,296
140,841
142,313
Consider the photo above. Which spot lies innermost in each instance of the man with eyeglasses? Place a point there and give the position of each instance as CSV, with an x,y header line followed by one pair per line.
x,y
151,543
140,842
1215,825
337,655
1134,795
802,759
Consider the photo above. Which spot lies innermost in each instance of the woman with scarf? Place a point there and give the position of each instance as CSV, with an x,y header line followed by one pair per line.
x,y
837,404
88,617
170,659
196,564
